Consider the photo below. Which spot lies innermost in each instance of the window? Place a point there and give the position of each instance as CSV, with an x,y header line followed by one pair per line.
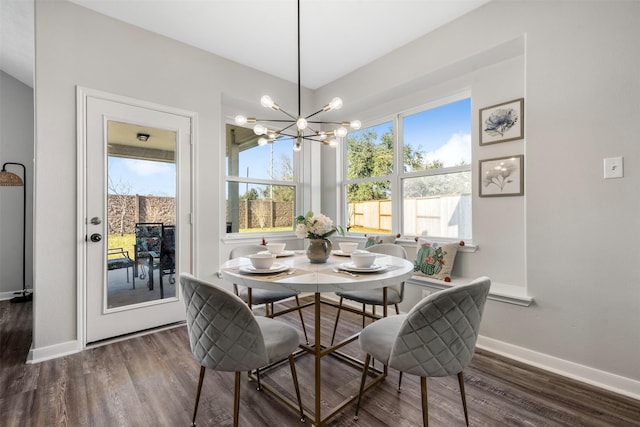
x,y
260,187
432,152
369,179
436,181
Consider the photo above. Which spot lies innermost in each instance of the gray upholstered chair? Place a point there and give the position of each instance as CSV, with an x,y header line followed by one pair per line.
x,y
395,294
224,335
436,338
263,296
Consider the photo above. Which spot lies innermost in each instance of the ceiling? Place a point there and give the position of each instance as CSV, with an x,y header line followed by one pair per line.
x,y
337,36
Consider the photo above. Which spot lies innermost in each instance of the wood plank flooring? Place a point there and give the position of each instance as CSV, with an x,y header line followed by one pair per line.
x,y
151,381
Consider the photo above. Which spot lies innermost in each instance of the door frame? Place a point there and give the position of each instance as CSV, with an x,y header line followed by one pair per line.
x,y
82,94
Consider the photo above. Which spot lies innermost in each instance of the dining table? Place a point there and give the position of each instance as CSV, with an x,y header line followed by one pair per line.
x,y
293,271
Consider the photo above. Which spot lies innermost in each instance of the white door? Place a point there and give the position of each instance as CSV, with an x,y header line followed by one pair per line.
x,y
135,160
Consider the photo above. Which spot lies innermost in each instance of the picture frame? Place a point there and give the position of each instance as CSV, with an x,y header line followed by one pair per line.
x,y
502,122
502,176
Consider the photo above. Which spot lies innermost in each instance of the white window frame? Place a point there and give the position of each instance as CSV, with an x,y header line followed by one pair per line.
x,y
295,183
398,174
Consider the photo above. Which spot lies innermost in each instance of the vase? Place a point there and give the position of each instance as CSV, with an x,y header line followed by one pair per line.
x,y
318,250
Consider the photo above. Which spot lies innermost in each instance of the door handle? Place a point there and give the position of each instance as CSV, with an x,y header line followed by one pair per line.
x,y
95,237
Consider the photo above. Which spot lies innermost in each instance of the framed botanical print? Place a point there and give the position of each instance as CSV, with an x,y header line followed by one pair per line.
x,y
503,176
502,122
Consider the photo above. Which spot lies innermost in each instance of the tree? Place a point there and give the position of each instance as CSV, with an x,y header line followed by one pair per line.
x,y
118,200
368,157
251,194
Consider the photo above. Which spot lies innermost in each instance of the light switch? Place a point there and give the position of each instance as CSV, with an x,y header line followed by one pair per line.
x,y
613,167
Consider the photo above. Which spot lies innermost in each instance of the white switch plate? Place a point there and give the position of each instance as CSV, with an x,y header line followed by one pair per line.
x,y
613,167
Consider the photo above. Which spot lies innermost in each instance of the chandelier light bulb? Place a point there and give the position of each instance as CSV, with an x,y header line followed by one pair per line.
x,y
322,135
262,141
241,120
333,142
355,124
297,146
335,104
341,132
266,101
301,123
259,130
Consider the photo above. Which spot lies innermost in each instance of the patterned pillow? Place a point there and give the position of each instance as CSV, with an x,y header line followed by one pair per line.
x,y
435,260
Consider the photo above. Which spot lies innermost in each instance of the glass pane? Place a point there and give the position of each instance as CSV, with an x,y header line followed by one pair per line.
x,y
141,189
370,152
439,137
253,208
245,158
369,207
437,206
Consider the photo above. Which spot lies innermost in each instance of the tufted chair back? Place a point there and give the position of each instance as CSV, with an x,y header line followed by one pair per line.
x,y
223,332
393,250
439,334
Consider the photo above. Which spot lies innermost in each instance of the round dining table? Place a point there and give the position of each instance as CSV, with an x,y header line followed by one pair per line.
x,y
293,271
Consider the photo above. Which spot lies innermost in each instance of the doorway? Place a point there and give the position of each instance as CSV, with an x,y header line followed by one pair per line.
x,y
135,176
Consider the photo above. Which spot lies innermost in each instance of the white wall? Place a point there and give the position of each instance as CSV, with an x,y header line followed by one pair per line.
x,y
573,245
75,46
16,145
572,239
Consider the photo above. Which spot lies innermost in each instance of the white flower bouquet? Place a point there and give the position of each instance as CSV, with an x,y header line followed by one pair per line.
x,y
316,226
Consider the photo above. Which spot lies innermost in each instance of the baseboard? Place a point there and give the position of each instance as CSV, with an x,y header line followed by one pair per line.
x,y
4,296
38,355
585,374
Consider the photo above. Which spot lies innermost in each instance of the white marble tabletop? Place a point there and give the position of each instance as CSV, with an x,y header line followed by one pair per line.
x,y
303,276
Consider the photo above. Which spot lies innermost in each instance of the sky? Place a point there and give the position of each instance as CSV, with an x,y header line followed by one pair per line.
x,y
144,177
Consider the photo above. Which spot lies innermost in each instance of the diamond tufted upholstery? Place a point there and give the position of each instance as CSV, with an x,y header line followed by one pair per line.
x,y
436,338
224,334
395,293
263,296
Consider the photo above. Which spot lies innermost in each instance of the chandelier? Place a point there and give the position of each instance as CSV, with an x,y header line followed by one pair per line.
x,y
299,128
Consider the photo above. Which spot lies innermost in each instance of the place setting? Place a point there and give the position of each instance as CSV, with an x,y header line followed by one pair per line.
x,y
346,249
362,262
263,263
278,250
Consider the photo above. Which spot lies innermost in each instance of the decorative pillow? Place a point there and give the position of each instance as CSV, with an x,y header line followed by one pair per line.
x,y
376,240
435,259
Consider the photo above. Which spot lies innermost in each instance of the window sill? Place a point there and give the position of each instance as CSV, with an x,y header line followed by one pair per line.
x,y
499,291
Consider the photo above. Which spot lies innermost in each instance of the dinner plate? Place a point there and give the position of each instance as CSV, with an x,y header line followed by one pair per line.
x,y
275,268
281,254
374,268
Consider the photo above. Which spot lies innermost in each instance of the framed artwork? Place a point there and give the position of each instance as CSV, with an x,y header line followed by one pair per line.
x,y
502,122
502,176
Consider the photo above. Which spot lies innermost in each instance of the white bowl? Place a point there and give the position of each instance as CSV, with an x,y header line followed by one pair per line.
x,y
348,247
362,259
262,261
276,248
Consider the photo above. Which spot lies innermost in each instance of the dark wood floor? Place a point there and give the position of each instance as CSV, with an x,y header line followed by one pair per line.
x,y
151,380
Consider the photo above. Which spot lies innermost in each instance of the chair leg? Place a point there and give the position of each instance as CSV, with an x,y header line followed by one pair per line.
x,y
259,388
335,326
294,374
464,399
425,407
399,381
364,309
397,309
362,381
304,329
195,409
236,399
